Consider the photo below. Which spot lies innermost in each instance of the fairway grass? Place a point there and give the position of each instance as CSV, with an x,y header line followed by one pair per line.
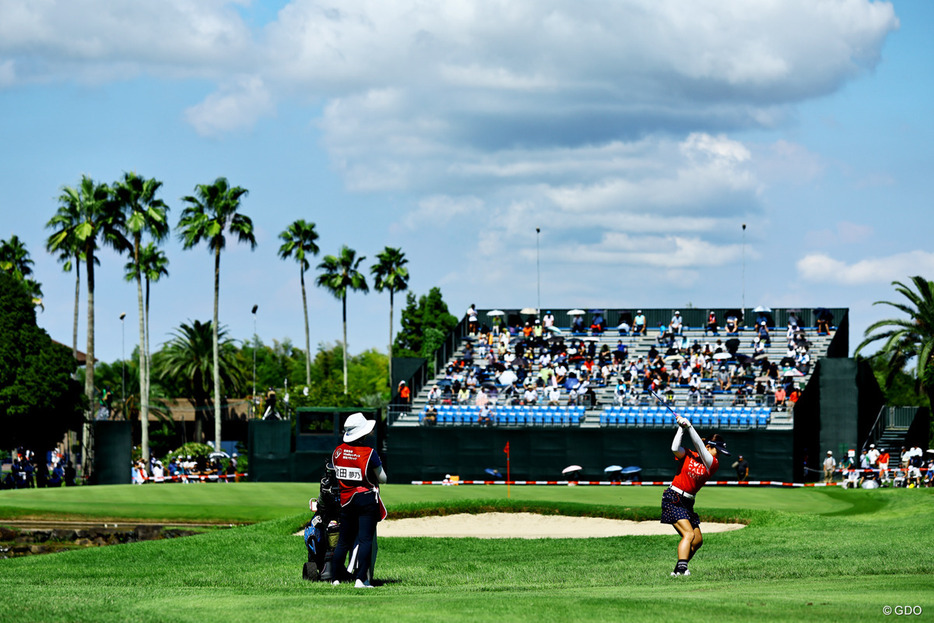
x,y
806,555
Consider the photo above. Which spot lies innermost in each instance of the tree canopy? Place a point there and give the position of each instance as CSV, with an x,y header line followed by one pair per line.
x,y
39,399
425,323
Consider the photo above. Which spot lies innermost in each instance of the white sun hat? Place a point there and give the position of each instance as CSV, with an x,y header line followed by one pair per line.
x,y
357,426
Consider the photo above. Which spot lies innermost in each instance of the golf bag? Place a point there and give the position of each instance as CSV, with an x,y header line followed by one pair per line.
x,y
322,531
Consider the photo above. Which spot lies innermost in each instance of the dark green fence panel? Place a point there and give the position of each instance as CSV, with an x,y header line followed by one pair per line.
x,y
113,444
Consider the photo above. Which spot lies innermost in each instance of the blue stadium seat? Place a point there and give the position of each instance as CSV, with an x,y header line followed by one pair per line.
x,y
630,418
511,418
538,418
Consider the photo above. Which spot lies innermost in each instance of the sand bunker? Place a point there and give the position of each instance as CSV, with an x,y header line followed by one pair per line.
x,y
529,526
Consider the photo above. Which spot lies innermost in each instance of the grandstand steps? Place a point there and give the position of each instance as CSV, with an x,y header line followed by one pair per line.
x,y
892,439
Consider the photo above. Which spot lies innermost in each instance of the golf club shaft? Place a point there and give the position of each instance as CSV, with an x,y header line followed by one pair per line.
x,y
659,398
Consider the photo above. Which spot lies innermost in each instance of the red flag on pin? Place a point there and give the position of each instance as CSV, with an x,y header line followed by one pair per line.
x,y
506,449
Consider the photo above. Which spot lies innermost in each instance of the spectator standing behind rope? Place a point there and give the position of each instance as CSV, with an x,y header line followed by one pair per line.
x,y
678,500
830,465
359,474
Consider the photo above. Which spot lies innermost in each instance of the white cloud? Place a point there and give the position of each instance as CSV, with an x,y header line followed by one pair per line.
x,y
821,268
236,107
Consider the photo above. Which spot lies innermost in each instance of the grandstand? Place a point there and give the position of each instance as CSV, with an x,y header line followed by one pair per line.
x,y
601,406
596,427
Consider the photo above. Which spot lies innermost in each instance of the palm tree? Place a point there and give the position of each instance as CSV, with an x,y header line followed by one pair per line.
x,y
152,266
210,216
390,274
340,273
908,338
187,363
14,259
97,219
143,214
64,243
299,242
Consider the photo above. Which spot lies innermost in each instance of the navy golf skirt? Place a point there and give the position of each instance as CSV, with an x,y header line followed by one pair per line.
x,y
676,507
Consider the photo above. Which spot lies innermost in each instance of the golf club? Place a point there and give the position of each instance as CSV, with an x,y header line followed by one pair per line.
x,y
665,403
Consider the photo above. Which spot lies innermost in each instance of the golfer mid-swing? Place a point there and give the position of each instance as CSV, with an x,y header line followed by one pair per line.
x,y
678,500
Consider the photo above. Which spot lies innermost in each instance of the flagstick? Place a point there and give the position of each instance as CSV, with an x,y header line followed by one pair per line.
x,y
508,476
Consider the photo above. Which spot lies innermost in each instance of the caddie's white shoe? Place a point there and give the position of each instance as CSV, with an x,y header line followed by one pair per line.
x,y
336,583
362,584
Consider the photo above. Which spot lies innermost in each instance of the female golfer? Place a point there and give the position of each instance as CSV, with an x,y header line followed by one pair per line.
x,y
359,473
678,499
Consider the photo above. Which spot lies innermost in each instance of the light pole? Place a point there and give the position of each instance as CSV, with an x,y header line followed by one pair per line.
x,y
538,270
744,276
255,307
123,359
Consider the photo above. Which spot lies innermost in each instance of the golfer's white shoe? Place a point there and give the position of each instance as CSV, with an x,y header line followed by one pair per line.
x,y
362,584
336,583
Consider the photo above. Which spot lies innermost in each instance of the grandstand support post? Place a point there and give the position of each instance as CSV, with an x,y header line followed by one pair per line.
x,y
538,272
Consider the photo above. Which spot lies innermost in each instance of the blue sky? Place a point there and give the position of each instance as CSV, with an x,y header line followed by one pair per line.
x,y
637,135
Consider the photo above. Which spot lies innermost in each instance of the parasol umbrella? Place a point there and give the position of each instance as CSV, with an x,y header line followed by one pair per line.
x,y
493,472
671,358
762,309
496,312
722,356
572,469
218,454
576,312
632,469
528,310
555,330
793,372
613,468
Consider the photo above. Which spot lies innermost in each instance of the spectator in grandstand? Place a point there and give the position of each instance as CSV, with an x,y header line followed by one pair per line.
x,y
711,326
780,397
483,417
675,324
434,395
803,361
758,347
638,323
623,328
696,467
530,396
664,335
732,325
554,395
405,395
793,397
472,319
548,320
763,331
597,325
694,396
463,395
619,394
724,378
742,469
823,325
830,465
